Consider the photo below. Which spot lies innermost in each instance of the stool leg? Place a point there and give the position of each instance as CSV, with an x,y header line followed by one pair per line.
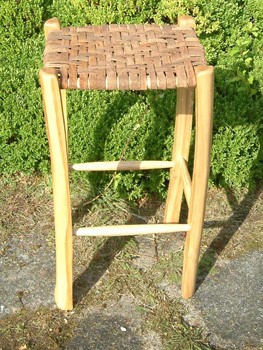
x,y
204,111
63,93
182,139
54,106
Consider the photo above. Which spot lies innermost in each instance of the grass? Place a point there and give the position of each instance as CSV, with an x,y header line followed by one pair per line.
x,y
40,329
106,269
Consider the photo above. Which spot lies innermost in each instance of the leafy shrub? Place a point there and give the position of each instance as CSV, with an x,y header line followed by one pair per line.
x,y
81,12
21,19
235,150
101,124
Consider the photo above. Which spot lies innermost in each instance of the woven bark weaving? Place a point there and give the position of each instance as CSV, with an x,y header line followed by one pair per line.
x,y
124,57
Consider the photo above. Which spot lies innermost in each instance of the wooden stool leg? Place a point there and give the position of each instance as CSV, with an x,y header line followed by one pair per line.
x,y
204,111
54,106
182,139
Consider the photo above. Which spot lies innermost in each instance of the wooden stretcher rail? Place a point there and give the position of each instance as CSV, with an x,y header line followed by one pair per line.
x,y
130,230
122,165
186,180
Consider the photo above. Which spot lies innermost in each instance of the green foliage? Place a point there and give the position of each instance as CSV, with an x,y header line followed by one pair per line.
x,y
23,145
20,19
116,124
82,12
235,150
104,124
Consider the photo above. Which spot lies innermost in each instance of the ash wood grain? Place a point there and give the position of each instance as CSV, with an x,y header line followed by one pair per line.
x,y
131,230
61,195
204,113
122,165
51,25
182,139
186,180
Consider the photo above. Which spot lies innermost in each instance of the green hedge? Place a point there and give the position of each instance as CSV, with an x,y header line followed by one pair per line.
x,y
100,123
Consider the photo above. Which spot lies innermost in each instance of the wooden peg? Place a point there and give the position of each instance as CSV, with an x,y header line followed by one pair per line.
x,y
51,25
186,21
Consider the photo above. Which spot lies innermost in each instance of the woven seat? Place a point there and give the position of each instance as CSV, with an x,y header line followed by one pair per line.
x,y
124,57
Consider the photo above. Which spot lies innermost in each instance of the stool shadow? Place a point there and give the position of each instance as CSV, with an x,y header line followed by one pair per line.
x,y
230,227
122,103
103,257
99,264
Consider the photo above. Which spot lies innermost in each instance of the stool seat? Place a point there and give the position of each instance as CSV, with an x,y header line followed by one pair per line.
x,y
124,56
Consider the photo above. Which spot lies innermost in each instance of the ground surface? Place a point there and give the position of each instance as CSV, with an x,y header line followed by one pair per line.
x,y
126,291
231,303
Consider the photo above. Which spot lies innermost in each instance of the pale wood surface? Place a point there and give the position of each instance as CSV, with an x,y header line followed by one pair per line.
x,y
131,230
204,112
51,25
186,21
186,180
122,165
182,139
61,195
63,94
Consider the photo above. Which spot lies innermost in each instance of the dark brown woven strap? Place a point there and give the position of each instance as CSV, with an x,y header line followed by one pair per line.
x,y
124,57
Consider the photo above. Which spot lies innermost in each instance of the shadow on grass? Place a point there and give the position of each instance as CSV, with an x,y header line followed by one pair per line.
x,y
104,256
232,108
230,227
99,264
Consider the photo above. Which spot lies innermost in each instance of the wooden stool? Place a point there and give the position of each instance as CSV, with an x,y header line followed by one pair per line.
x,y
130,57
